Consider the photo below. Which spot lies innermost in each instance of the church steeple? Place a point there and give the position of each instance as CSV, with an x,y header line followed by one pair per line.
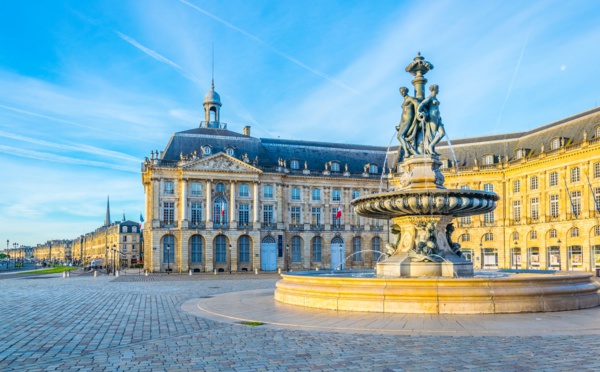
x,y
107,218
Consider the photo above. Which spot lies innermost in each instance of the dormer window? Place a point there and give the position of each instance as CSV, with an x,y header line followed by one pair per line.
x,y
488,159
597,131
206,150
520,153
373,169
555,143
230,151
294,164
444,163
335,166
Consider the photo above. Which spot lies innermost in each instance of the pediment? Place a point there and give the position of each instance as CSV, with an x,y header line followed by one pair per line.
x,y
220,162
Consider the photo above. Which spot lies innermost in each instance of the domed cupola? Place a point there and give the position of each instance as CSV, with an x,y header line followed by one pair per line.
x,y
212,108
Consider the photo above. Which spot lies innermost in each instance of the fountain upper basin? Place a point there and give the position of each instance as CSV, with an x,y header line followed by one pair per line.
x,y
435,201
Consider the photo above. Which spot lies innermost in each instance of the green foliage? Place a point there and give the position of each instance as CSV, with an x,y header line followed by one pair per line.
x,y
53,270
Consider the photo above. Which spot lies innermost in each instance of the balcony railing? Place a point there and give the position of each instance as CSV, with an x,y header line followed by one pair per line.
x,y
318,227
296,227
376,228
244,226
268,226
337,227
168,224
531,220
357,227
573,216
197,225
220,225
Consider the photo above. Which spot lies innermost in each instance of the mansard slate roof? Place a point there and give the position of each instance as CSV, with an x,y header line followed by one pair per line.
x,y
316,154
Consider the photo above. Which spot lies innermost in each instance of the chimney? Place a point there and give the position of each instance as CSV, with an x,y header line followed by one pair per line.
x,y
247,130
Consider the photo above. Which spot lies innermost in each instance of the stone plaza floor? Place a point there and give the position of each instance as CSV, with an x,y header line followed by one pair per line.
x,y
180,322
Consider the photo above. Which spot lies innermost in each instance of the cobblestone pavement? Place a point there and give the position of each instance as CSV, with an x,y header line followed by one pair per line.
x,y
136,323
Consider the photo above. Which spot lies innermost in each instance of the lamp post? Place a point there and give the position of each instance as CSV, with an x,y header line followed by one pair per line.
x,y
7,241
106,267
15,245
230,251
114,263
514,256
287,257
50,245
168,259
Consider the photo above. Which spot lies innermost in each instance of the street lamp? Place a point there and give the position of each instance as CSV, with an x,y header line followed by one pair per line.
x,y
114,263
168,258
106,263
287,257
7,241
15,245
230,250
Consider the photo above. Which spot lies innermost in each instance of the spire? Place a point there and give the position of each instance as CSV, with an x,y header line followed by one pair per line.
x,y
107,218
123,219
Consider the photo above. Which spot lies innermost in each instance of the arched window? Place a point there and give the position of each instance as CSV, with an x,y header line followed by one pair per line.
x,y
294,164
206,150
230,151
357,248
220,211
335,166
337,241
376,246
168,249
244,249
574,232
221,249
296,249
317,249
196,245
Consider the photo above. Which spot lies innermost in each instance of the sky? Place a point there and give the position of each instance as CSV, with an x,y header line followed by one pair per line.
x,y
89,88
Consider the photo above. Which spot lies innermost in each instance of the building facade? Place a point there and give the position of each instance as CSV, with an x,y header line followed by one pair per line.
x,y
226,201
217,200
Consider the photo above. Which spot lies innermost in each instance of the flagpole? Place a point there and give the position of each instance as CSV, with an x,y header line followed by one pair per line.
x,y
570,199
592,191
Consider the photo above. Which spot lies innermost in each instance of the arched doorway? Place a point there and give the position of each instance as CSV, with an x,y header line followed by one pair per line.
x,y
337,254
268,254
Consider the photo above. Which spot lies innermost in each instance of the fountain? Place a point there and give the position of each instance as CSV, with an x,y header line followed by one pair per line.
x,y
424,271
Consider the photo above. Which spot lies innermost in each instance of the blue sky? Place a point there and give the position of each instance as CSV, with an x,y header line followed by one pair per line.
x,y
89,88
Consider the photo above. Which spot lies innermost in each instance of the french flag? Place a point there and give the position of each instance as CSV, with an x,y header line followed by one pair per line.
x,y
222,210
338,214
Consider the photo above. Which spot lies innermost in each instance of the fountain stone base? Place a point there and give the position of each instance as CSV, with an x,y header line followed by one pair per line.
x,y
401,265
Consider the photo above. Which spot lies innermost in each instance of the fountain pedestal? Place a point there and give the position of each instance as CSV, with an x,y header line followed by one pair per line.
x,y
414,230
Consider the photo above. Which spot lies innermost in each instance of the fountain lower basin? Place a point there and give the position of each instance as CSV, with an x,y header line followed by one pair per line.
x,y
502,293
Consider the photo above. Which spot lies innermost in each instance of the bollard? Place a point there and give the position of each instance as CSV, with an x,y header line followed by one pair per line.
x,y
317,268
146,272
279,270
64,274
117,273
215,272
95,273
190,272
256,270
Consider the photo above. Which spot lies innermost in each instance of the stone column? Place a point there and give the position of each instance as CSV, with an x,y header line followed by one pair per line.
x,y
232,204
255,196
183,201
208,202
155,199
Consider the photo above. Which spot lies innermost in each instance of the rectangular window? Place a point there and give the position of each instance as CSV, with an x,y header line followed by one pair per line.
x,y
168,212
295,193
554,206
517,210
316,194
465,221
597,170
295,214
268,214
488,218
575,174
196,189
336,222
516,186
553,178
268,191
316,217
336,195
488,187
535,208
196,210
534,183
597,199
465,187
124,238
169,188
243,189
244,214
576,202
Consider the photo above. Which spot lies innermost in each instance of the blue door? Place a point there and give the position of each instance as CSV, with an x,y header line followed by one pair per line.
x,y
337,254
268,255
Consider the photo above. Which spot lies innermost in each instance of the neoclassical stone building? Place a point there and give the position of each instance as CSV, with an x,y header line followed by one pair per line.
x,y
221,200
548,179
